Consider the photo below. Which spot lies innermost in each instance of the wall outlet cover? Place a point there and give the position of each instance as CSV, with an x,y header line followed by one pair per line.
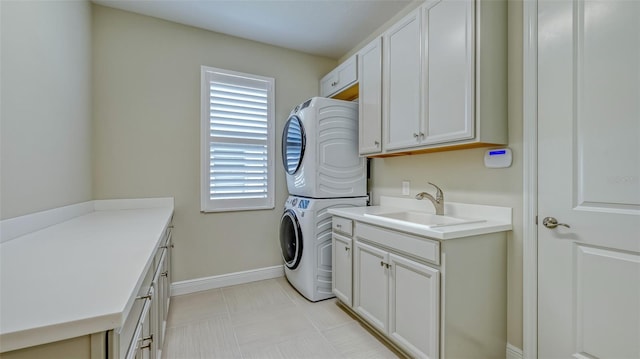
x,y
406,188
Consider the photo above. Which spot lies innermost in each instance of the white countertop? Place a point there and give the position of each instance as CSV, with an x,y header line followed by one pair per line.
x,y
496,219
80,276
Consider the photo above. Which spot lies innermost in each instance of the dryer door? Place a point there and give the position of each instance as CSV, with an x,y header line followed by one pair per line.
x,y
293,143
290,239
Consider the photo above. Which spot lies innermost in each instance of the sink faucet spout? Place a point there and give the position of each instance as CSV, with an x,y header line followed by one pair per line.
x,y
438,200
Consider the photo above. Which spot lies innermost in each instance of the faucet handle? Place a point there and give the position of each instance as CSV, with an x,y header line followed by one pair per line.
x,y
439,194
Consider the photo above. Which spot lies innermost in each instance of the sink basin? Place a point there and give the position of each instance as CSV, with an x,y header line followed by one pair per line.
x,y
425,219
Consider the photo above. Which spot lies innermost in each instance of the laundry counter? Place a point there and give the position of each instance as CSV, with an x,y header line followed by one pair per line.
x,y
78,276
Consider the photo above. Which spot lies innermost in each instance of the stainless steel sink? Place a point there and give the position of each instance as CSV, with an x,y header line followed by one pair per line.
x,y
424,219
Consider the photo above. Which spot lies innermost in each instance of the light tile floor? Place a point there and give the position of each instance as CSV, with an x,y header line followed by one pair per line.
x,y
265,319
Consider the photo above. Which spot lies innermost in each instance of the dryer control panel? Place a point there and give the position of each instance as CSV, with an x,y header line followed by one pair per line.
x,y
298,202
304,203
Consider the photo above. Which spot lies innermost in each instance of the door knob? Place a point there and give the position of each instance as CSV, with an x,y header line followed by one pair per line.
x,y
551,223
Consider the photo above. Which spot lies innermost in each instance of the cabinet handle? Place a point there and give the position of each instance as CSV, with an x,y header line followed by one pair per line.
x,y
150,337
146,346
164,274
376,143
415,135
422,134
338,226
148,296
381,264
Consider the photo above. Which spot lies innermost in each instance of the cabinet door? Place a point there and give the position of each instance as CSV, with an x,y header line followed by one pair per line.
x,y
370,98
165,295
414,307
402,83
159,300
342,270
343,76
371,285
449,70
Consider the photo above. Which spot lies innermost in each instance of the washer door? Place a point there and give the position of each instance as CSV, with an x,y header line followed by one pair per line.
x,y
290,239
293,144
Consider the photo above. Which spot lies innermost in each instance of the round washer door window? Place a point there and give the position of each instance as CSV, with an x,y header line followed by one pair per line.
x,y
293,144
290,239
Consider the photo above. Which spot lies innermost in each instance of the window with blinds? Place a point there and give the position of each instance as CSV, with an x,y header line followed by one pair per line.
x,y
237,141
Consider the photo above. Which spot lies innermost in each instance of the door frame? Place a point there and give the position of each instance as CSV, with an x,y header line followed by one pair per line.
x,y
530,179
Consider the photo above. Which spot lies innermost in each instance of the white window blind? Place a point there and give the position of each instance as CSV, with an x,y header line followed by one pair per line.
x,y
237,141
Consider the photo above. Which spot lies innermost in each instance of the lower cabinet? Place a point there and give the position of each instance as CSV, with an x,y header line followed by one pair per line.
x,y
371,285
430,298
414,293
142,335
399,297
341,278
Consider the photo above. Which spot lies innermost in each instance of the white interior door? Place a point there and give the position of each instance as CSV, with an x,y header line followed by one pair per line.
x,y
589,178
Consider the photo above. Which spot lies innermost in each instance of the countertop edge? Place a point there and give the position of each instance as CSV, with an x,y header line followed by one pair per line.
x,y
438,233
57,332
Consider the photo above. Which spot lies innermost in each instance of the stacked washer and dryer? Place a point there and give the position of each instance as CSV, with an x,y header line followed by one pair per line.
x,y
323,170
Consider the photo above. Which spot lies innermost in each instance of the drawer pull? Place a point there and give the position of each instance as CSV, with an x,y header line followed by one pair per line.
x,y
148,296
146,346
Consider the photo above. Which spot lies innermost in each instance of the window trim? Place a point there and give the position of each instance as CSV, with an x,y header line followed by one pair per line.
x,y
228,205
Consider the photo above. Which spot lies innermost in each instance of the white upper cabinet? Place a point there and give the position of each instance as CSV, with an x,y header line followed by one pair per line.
x,y
370,98
402,83
444,78
436,80
340,79
448,70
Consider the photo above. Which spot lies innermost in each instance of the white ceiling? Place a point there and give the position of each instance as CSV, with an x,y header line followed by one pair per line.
x,y
321,27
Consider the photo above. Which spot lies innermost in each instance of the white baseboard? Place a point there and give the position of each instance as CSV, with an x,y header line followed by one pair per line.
x,y
225,280
513,352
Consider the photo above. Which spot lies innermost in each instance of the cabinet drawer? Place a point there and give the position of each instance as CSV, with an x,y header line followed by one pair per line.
x,y
340,78
417,247
128,329
342,225
162,246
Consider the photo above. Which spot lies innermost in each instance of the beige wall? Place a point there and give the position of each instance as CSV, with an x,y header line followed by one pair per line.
x,y
147,124
45,118
146,129
463,177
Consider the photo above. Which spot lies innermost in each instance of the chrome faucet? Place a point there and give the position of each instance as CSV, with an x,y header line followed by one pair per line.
x,y
438,201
